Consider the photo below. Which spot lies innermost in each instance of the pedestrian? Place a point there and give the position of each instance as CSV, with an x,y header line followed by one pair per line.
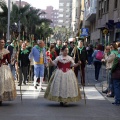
x,y
58,47
7,85
23,62
97,60
113,55
107,59
71,47
52,54
63,86
80,54
115,75
89,53
38,53
13,52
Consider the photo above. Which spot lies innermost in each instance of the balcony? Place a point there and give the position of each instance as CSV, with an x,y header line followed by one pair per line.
x,y
90,10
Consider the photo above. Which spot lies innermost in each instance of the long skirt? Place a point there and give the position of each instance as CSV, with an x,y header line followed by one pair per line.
x,y
7,85
63,87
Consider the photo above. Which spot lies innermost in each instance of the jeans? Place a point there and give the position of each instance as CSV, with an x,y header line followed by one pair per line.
x,y
116,84
90,60
97,65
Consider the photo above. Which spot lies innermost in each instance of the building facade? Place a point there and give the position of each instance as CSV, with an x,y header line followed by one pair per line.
x,y
52,14
65,13
77,16
90,13
108,17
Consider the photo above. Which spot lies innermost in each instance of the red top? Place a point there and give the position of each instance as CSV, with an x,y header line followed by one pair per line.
x,y
5,60
64,66
50,55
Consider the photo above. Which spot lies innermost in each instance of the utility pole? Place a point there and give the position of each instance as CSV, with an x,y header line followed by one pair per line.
x,y
8,27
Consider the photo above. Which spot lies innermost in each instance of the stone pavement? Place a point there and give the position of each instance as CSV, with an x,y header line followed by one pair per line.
x,y
35,107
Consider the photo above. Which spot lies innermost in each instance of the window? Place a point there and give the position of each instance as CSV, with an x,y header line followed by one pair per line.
x,y
100,6
61,10
60,21
107,5
103,7
115,4
60,15
61,4
68,4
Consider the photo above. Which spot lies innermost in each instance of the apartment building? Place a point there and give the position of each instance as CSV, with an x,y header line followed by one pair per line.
x,y
108,17
52,14
90,20
65,13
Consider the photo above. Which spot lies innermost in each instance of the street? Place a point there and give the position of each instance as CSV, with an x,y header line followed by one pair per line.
x,y
35,107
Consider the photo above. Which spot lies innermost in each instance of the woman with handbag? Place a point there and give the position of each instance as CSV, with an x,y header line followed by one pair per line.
x,y
97,60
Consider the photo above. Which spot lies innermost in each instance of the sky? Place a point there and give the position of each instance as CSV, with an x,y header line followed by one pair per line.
x,y
41,4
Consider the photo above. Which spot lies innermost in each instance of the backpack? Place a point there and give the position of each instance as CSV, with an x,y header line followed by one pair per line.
x,y
99,55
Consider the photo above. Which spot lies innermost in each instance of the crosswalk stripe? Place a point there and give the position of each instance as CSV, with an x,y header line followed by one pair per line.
x,y
30,93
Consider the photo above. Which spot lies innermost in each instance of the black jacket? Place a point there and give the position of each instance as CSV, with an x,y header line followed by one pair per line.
x,y
83,56
57,50
23,60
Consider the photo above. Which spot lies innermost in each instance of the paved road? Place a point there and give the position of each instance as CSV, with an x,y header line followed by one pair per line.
x,y
35,107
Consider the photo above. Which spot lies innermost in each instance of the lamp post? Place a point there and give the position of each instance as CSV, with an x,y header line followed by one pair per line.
x,y
8,27
19,20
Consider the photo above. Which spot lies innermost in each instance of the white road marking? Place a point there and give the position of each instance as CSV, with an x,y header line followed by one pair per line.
x,y
93,94
31,93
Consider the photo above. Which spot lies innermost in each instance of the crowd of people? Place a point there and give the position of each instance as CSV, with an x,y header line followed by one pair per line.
x,y
58,64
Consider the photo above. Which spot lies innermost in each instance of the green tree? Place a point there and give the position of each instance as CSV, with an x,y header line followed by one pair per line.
x,y
28,16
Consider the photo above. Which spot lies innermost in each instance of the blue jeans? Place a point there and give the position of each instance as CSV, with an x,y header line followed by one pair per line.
x,y
116,84
90,60
97,65
110,82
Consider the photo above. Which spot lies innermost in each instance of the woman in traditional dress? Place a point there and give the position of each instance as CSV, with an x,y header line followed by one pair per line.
x,y
7,86
63,86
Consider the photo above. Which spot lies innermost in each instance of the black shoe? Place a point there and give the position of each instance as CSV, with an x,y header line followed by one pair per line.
x,y
36,87
61,103
37,84
116,103
42,89
24,83
0,103
19,84
110,95
105,91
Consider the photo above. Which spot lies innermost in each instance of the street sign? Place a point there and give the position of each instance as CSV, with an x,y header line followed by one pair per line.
x,y
84,32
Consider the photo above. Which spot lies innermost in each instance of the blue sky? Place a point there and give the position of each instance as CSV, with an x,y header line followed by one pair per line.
x,y
43,3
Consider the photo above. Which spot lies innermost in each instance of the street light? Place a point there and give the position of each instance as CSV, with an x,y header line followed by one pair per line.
x,y
8,27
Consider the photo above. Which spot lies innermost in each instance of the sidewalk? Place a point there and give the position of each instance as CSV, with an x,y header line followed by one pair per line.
x,y
101,84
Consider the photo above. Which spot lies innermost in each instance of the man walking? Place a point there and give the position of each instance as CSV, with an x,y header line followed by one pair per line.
x,y
38,53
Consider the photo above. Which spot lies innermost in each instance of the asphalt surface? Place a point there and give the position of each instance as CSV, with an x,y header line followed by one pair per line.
x,y
35,107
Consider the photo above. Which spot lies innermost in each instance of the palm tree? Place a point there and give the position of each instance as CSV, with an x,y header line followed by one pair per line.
x,y
29,18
